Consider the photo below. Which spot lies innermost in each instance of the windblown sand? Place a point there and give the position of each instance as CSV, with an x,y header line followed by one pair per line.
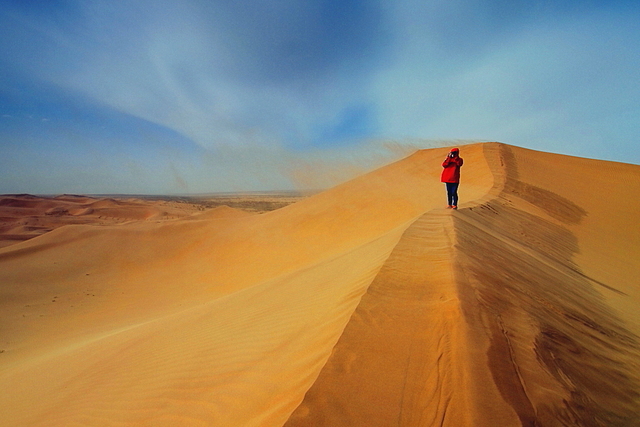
x,y
365,305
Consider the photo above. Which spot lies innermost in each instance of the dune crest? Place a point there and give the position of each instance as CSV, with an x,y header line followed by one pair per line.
x,y
488,316
367,304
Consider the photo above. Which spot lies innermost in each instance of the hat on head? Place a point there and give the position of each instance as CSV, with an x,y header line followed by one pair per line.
x,y
455,150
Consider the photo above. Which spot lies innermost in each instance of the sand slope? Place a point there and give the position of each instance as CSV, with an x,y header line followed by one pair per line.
x,y
367,304
505,313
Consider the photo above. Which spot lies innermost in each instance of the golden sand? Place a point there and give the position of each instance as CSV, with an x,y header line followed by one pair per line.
x,y
369,304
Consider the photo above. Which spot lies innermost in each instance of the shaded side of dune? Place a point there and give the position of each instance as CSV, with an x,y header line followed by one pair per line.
x,y
482,318
558,354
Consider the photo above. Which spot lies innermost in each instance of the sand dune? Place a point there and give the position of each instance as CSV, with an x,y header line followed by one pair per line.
x,y
24,216
218,213
367,304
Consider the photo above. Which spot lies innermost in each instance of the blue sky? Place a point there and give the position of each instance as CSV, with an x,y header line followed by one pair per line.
x,y
195,96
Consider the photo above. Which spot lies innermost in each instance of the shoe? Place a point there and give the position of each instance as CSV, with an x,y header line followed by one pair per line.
x,y
449,207
454,207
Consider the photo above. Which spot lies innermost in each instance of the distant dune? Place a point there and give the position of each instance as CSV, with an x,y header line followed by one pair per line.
x,y
369,304
24,216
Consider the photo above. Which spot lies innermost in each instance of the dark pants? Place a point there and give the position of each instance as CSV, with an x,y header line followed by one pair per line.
x,y
452,193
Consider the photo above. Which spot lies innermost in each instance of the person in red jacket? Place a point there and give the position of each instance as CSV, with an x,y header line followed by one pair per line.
x,y
451,176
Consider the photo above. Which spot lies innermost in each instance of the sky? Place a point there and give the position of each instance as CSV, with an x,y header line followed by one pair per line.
x,y
202,96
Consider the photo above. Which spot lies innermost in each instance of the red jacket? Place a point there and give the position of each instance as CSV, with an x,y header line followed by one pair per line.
x,y
451,172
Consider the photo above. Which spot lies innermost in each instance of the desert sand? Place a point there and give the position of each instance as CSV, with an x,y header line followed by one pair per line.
x,y
25,216
368,304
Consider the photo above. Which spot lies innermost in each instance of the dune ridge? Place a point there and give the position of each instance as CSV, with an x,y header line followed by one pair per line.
x,y
367,304
515,334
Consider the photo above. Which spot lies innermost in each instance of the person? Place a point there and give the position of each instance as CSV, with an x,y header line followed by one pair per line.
x,y
451,176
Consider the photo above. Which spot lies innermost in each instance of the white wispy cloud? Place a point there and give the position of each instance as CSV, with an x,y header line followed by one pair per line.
x,y
286,81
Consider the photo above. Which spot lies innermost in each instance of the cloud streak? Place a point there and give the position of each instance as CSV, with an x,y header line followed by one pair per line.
x,y
292,80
